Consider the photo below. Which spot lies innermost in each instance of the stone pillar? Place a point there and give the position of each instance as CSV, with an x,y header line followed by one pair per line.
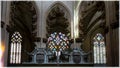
x,y
5,11
45,58
34,58
82,59
112,46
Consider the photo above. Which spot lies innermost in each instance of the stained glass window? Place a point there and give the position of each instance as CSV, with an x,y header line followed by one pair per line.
x,y
99,49
58,42
15,53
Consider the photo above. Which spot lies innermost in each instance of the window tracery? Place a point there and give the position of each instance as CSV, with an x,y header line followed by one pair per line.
x,y
15,53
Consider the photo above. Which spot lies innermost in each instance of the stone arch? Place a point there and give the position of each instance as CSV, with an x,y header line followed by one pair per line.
x,y
66,11
60,3
89,27
36,9
95,9
23,19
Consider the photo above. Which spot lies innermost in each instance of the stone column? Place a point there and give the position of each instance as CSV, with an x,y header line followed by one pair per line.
x,y
5,12
34,58
82,59
45,58
112,47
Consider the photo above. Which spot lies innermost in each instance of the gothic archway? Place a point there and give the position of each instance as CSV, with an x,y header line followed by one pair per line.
x,y
91,19
58,18
23,18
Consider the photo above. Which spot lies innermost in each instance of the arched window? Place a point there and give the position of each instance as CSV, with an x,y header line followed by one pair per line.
x,y
99,49
58,42
15,53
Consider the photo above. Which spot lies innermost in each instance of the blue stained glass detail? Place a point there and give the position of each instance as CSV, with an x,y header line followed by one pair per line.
x,y
58,39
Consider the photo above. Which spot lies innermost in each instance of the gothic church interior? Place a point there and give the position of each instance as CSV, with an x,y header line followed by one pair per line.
x,y
60,33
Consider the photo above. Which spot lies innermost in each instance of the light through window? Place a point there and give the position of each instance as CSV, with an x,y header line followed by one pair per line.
x,y
58,42
99,49
15,53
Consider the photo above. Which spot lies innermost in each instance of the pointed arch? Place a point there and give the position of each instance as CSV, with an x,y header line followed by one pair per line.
x,y
58,9
15,51
61,4
99,49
